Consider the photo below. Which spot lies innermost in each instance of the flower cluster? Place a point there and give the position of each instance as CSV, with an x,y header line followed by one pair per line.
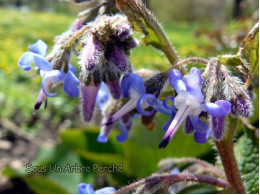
x,y
104,57
189,104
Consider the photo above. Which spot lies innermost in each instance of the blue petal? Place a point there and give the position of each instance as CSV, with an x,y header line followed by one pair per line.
x,y
124,132
106,190
71,85
174,75
175,170
39,48
85,189
196,92
193,80
42,63
218,109
137,84
179,86
51,78
125,85
202,131
140,102
26,60
102,96
73,69
132,81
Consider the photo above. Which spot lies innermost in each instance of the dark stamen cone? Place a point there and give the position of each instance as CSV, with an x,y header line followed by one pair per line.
x,y
164,142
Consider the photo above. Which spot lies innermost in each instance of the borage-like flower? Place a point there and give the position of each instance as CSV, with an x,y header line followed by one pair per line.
x,y
88,189
37,55
104,102
190,103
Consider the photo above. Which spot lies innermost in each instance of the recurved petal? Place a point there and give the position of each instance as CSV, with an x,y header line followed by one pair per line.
x,y
89,94
193,80
125,85
50,78
71,83
40,47
137,84
219,108
174,75
41,62
25,61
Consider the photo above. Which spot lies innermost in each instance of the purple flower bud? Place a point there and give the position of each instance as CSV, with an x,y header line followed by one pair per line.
x,y
218,127
89,94
114,88
77,25
241,107
91,54
119,60
122,31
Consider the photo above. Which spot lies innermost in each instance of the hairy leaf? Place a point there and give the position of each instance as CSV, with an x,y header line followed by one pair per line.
x,y
248,161
249,49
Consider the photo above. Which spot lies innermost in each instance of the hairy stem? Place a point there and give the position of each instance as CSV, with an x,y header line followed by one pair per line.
x,y
188,61
204,164
170,179
227,155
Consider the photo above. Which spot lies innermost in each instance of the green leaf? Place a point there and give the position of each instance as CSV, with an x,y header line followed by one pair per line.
x,y
248,161
144,21
249,49
87,147
142,151
41,185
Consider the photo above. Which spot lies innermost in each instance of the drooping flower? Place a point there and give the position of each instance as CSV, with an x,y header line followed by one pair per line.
x,y
104,57
37,55
88,189
104,101
133,87
190,103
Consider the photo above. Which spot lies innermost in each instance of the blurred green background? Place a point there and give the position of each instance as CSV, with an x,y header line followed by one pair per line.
x,y
57,135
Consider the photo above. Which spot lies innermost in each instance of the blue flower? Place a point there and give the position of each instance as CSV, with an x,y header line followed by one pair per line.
x,y
124,123
88,189
190,103
37,55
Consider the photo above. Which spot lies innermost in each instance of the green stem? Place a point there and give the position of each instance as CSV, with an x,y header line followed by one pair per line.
x,y
227,155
